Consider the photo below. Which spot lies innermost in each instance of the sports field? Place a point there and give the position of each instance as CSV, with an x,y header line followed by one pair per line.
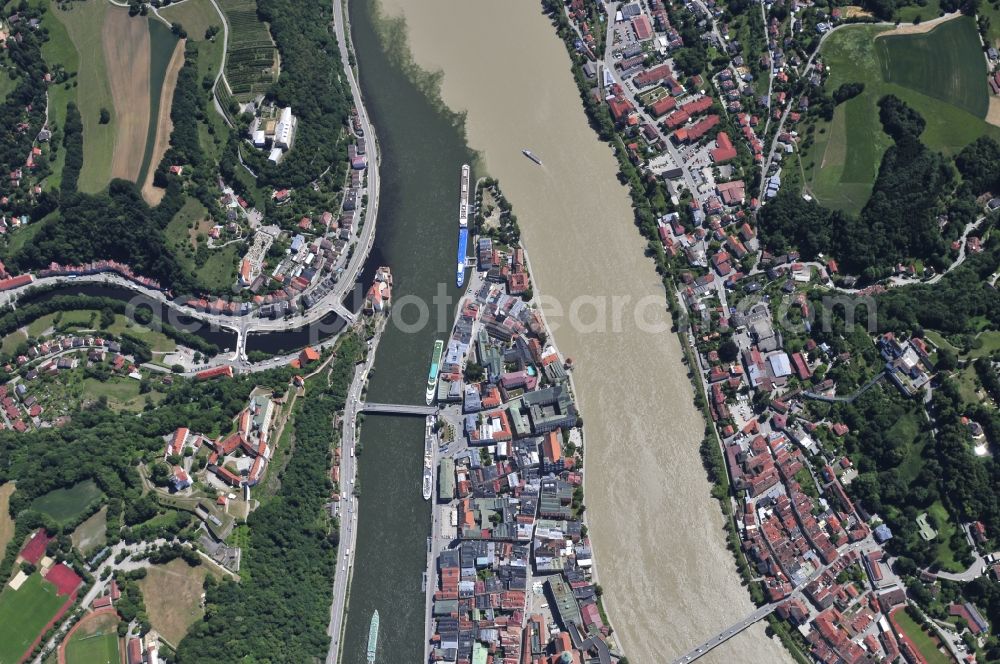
x,y
64,505
95,641
23,614
940,73
924,642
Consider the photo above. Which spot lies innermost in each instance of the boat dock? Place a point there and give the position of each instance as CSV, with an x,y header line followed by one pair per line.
x,y
463,204
428,474
463,227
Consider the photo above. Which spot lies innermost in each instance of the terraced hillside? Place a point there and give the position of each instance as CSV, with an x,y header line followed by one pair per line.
x,y
251,64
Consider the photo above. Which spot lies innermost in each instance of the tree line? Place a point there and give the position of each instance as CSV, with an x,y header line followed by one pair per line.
x,y
73,144
900,220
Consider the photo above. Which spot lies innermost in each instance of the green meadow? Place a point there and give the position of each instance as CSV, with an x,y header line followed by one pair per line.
x,y
941,74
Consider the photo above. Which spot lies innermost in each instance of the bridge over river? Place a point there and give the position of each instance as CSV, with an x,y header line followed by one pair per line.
x,y
396,409
728,633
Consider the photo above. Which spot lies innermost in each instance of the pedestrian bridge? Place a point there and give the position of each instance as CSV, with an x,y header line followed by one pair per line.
x,y
728,633
396,409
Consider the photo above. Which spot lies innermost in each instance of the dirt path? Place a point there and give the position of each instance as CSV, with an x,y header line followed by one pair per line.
x,y
126,52
164,126
919,28
993,113
6,523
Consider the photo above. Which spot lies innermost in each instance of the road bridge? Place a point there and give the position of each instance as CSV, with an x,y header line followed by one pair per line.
x,y
728,633
396,409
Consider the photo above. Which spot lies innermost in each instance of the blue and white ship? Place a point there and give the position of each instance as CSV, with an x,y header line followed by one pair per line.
x,y
463,227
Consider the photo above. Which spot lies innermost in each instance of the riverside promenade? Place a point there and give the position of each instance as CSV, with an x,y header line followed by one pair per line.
x,y
348,460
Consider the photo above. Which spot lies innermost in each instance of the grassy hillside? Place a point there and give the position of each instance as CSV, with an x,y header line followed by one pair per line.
x,y
941,74
946,63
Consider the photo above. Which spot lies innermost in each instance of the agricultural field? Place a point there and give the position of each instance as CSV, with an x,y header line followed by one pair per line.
x,y
95,641
945,63
172,594
165,62
92,533
126,44
842,162
123,70
23,614
78,46
196,17
64,505
251,63
6,523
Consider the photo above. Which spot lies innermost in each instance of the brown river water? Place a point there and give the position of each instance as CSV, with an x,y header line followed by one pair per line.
x,y
669,581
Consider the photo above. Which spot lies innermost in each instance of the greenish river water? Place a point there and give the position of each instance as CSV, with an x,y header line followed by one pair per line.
x,y
422,151
162,43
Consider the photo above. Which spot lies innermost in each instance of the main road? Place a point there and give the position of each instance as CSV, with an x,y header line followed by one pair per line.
x,y
348,502
348,467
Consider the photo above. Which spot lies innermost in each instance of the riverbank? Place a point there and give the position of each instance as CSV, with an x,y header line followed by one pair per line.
x,y
659,536
510,474
421,154
594,570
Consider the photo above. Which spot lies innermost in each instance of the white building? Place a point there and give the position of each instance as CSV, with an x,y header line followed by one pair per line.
x,y
284,132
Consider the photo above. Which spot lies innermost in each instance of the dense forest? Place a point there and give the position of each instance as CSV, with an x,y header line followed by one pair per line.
x,y
978,162
312,83
290,562
115,224
954,305
898,222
